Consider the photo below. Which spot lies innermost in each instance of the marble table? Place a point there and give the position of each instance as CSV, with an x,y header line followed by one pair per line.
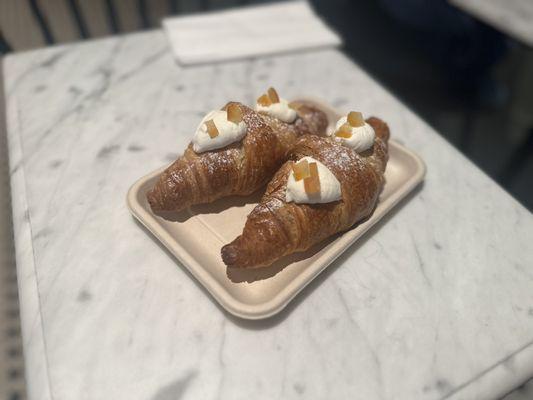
x,y
435,302
512,17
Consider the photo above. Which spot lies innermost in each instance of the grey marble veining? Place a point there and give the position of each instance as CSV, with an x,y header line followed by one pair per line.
x,y
435,302
512,17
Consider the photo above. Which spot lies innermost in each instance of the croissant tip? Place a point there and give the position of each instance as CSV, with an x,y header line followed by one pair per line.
x,y
154,204
229,255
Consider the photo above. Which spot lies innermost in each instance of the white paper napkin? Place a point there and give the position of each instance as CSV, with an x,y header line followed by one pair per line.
x,y
246,32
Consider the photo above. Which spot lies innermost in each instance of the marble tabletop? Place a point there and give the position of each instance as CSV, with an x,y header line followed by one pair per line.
x,y
435,302
512,17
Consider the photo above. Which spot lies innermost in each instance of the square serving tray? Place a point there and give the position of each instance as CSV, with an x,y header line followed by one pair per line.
x,y
195,237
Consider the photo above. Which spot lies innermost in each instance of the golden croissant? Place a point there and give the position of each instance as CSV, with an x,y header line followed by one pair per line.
x,y
276,228
238,169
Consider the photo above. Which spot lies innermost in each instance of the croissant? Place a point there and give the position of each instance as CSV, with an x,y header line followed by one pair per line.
x,y
238,169
276,228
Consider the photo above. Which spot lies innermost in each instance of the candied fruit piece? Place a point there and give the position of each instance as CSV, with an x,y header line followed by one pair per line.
x,y
355,119
345,131
301,170
273,95
211,128
264,100
312,184
234,113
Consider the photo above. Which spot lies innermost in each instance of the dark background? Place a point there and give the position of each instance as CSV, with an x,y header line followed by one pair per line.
x,y
471,83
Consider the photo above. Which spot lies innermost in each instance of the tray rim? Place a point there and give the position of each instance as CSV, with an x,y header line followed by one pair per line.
x,y
287,294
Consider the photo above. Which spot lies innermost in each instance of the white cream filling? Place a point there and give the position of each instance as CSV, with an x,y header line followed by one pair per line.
x,y
228,132
279,110
362,136
330,187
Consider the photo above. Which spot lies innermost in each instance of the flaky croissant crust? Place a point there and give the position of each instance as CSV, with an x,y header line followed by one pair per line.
x,y
238,169
276,228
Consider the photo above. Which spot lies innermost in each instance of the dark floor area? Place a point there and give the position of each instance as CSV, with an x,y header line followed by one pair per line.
x,y
488,125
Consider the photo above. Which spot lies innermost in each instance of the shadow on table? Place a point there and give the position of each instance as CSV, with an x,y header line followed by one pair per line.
x,y
177,388
274,320
216,207
238,275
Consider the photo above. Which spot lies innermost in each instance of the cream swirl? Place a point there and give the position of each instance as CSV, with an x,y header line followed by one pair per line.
x,y
228,132
330,187
362,136
280,110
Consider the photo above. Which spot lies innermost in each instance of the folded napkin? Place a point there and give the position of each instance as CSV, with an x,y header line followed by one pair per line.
x,y
246,32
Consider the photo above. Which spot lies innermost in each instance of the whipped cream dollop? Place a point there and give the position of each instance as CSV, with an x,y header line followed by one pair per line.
x,y
228,132
362,136
330,187
280,110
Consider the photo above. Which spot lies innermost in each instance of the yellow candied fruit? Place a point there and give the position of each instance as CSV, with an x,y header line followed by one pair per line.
x,y
355,119
264,100
301,170
273,95
312,183
294,105
211,128
234,113
345,131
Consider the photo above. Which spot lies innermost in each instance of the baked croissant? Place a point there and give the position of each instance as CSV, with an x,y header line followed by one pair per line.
x,y
239,168
276,228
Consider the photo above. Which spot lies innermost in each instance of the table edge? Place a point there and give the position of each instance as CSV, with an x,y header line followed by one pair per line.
x,y
35,362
